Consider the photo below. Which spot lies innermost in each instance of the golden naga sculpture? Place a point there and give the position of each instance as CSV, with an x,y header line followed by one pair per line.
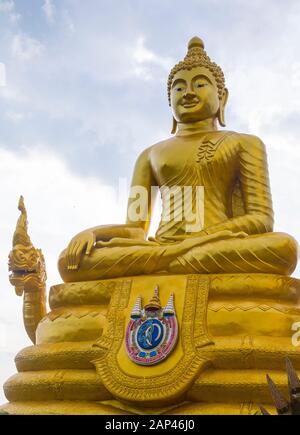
x,y
186,322
28,274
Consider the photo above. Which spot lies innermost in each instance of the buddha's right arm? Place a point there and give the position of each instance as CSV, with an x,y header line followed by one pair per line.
x,y
128,231
142,193
138,217
139,205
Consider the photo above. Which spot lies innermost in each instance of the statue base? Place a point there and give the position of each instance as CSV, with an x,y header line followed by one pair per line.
x,y
233,330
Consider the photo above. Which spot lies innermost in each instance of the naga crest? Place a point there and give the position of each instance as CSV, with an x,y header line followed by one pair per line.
x,y
25,262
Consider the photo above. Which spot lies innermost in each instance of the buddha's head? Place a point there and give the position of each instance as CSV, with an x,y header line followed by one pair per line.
x,y
196,87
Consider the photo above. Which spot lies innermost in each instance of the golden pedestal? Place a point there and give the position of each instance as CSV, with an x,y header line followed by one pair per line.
x,y
233,329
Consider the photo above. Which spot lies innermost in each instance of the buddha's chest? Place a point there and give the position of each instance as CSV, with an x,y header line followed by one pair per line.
x,y
184,159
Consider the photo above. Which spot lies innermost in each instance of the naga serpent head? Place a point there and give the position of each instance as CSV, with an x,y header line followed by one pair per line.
x,y
25,262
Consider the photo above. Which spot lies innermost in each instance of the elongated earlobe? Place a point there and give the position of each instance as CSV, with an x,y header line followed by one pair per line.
x,y
221,116
174,126
221,112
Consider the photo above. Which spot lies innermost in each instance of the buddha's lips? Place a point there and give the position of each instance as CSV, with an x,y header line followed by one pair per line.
x,y
188,105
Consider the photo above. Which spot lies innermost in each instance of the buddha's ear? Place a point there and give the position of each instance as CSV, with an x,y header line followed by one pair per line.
x,y
221,112
174,126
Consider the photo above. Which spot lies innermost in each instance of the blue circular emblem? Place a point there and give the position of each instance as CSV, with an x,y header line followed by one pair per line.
x,y
152,331
150,334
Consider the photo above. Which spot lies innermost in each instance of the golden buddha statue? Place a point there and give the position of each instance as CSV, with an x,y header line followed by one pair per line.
x,y
187,322
237,233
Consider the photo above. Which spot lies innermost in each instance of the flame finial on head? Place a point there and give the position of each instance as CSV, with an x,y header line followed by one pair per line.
x,y
196,42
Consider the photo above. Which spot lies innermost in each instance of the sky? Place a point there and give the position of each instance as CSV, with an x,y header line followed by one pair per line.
x,y
83,90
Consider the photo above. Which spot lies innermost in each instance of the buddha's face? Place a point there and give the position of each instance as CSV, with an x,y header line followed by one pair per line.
x,y
194,95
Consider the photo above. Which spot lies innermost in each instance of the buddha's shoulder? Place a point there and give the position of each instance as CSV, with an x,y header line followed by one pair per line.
x,y
234,137
237,139
248,139
158,147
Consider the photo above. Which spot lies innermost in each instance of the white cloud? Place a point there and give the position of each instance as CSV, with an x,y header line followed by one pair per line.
x,y
145,58
15,116
14,17
261,94
69,23
26,48
49,11
2,74
141,53
7,5
11,93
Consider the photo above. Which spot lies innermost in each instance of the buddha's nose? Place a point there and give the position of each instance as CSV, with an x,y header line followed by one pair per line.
x,y
189,96
189,93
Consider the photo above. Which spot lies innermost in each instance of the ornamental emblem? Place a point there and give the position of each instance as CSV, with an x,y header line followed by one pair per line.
x,y
152,332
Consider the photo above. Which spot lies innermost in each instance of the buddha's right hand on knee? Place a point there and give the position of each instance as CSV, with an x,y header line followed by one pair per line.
x,y
82,243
